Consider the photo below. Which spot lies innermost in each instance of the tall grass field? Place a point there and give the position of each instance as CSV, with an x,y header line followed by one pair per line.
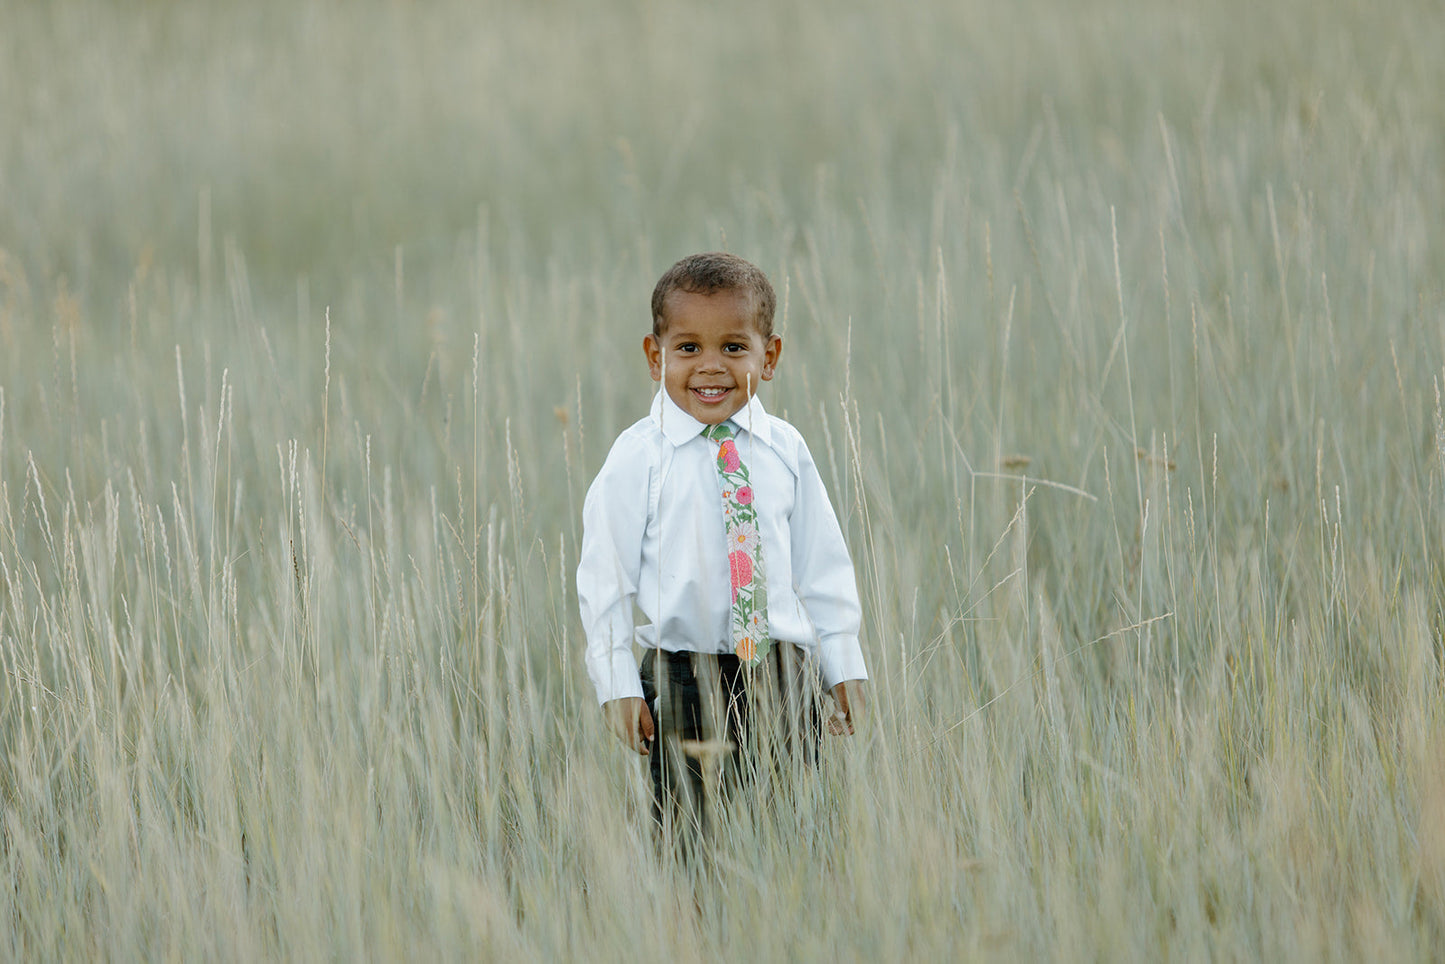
x,y
1117,330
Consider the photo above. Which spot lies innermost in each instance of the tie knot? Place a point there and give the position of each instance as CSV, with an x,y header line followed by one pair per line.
x,y
719,433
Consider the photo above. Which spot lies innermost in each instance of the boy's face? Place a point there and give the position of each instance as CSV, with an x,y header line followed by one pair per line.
x,y
714,355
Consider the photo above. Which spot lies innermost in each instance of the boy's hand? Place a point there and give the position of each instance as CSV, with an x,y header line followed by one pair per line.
x,y
851,703
631,721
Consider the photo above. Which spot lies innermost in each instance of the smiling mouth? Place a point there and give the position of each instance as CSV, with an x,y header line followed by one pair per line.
x,y
711,394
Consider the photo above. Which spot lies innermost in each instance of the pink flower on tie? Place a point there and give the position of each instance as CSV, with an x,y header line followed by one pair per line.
x,y
727,456
744,495
742,569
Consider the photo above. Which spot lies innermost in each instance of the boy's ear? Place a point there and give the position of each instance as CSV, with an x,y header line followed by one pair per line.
x,y
653,352
771,353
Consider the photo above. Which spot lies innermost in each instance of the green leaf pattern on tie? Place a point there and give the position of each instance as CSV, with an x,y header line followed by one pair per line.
x,y
750,637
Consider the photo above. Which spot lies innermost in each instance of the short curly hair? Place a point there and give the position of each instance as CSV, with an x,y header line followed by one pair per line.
x,y
709,273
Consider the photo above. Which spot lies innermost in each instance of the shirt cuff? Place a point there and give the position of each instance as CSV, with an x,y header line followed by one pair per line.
x,y
840,658
615,676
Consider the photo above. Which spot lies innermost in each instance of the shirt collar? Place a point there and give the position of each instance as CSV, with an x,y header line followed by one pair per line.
x,y
679,427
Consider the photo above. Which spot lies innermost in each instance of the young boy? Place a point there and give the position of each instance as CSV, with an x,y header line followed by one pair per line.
x,y
709,515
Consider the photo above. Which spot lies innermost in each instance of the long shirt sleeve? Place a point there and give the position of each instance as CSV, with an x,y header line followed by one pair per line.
x,y
825,582
614,521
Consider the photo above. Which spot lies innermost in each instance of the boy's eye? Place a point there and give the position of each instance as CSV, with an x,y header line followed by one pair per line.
x,y
687,346
734,347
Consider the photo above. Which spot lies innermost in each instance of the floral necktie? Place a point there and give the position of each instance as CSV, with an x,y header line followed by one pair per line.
x,y
745,550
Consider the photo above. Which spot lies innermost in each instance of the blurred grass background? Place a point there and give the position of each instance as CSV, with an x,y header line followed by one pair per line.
x,y
316,319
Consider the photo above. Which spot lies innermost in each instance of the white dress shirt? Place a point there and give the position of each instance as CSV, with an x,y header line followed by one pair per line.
x,y
653,537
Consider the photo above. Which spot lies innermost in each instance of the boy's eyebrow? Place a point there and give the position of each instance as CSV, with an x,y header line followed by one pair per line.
x,y
738,334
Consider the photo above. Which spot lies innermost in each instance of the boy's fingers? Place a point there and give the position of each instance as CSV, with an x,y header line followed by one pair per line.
x,y
629,719
645,727
639,725
838,724
845,695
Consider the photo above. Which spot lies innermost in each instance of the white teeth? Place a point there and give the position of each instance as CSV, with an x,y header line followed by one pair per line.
x,y
711,392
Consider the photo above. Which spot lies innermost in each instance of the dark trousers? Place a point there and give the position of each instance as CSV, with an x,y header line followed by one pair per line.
x,y
724,728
